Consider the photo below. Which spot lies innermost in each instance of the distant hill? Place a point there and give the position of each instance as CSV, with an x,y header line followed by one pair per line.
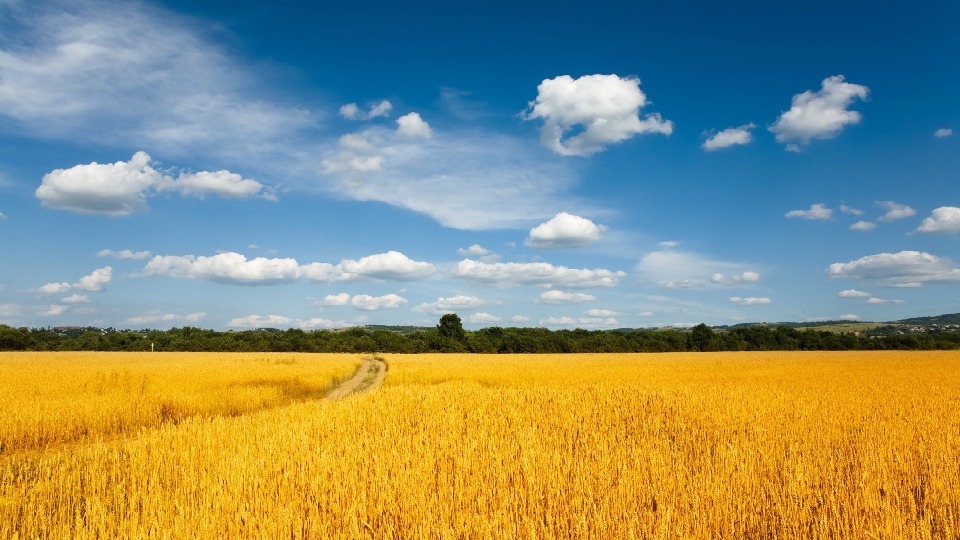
x,y
398,329
939,320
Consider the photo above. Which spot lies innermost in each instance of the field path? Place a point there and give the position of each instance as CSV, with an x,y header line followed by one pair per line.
x,y
368,377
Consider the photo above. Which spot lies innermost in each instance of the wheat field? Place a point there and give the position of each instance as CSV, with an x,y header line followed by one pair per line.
x,y
708,445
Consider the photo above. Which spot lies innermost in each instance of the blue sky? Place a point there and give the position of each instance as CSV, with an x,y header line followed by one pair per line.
x,y
238,165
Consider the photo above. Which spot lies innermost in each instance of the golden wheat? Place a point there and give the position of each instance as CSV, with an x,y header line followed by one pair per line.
x,y
758,445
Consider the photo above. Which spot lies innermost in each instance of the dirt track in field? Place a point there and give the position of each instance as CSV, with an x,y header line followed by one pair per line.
x,y
367,378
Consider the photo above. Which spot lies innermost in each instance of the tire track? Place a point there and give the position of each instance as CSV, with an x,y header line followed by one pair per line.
x,y
368,377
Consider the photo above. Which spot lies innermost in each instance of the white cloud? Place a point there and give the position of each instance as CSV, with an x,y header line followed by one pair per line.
x,y
54,288
53,310
451,304
75,299
561,297
10,310
848,210
123,254
228,267
96,280
819,115
341,299
279,321
729,137
580,322
169,318
883,301
122,188
377,303
863,226
817,211
945,219
603,313
535,273
850,317
902,269
565,231
673,269
668,244
475,250
853,293
3,216
520,319
943,132
895,210
604,108
464,180
351,111
391,265
222,183
750,301
132,73
645,314
482,318
411,126
745,277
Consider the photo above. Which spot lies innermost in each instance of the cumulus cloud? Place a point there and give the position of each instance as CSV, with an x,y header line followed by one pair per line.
x,y
945,219
895,211
819,115
123,254
565,231
482,318
228,267
391,265
561,297
902,269
53,310
341,299
94,281
155,317
476,250
75,299
54,288
750,301
853,293
451,304
580,322
863,226
280,321
602,313
943,132
848,210
520,319
412,126
883,301
605,109
730,137
745,277
674,269
351,111
366,302
231,267
535,273
122,188
817,211
850,317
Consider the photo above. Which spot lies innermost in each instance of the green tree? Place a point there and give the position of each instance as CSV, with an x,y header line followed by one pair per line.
x,y
701,337
451,327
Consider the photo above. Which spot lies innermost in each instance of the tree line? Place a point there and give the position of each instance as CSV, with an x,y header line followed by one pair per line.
x,y
450,337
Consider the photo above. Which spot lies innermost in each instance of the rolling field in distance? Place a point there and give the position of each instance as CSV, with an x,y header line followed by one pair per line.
x,y
701,445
